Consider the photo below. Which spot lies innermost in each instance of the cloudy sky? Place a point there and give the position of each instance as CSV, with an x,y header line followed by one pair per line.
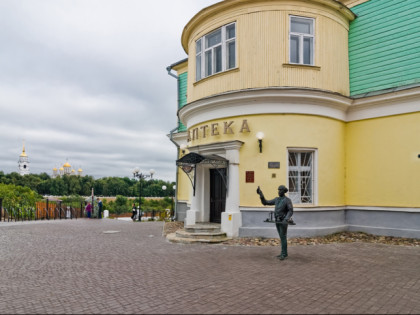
x,y
85,81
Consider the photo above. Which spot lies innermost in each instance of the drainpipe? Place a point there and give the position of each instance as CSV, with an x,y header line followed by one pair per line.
x,y
177,170
169,69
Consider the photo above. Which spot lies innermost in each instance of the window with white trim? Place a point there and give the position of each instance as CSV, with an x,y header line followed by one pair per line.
x,y
301,40
301,176
215,52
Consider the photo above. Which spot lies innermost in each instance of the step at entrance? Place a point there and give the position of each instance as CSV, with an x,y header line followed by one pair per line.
x,y
199,233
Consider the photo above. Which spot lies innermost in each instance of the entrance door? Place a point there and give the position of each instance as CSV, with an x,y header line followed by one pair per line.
x,y
217,195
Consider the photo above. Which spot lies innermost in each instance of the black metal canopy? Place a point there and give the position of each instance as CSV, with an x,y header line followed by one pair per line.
x,y
190,158
188,164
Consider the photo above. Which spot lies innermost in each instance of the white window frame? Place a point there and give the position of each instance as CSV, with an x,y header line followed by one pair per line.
x,y
301,37
201,55
314,171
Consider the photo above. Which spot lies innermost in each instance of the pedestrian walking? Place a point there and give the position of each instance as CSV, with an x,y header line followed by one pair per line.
x,y
134,212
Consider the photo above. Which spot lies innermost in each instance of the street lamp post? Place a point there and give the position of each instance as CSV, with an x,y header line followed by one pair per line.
x,y
172,203
138,174
164,188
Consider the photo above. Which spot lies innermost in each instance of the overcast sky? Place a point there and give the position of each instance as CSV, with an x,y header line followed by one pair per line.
x,y
85,81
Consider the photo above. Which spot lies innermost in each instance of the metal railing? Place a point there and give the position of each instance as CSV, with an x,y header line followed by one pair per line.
x,y
44,210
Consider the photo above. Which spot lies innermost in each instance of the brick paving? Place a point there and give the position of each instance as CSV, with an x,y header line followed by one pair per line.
x,y
72,266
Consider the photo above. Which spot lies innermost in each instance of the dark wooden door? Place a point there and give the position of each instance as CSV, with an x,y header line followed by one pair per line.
x,y
217,195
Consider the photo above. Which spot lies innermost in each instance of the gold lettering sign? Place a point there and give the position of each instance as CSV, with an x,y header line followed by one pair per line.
x,y
229,127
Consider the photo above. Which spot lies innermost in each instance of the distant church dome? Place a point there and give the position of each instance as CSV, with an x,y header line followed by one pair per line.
x,y
66,170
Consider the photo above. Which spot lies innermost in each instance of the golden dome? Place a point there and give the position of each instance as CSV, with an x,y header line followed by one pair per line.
x,y
67,164
80,170
61,169
54,169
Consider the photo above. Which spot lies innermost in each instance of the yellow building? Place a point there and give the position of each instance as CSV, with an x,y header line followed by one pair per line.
x,y
275,92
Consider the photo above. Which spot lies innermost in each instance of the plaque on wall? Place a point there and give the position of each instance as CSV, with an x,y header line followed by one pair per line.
x,y
249,176
273,164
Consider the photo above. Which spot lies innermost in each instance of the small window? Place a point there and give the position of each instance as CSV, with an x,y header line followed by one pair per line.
x,y
301,40
198,59
301,177
216,52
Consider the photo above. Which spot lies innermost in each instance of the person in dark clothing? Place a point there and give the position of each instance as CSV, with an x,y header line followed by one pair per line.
x,y
283,211
134,212
99,208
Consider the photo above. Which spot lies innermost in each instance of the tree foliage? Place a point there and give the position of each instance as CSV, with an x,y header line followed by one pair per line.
x,y
68,185
19,196
123,204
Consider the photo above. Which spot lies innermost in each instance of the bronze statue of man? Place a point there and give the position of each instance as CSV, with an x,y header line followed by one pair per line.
x,y
283,211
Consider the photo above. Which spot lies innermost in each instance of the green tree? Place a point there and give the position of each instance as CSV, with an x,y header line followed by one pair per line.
x,y
58,187
121,205
82,185
18,196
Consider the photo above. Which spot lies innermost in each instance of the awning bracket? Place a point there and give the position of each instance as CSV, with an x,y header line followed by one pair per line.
x,y
188,164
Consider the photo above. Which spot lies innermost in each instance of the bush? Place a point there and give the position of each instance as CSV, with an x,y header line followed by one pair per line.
x,y
121,205
18,196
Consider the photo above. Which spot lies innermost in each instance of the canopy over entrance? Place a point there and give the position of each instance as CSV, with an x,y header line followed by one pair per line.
x,y
188,164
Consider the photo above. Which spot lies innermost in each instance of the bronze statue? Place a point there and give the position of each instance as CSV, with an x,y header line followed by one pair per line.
x,y
283,211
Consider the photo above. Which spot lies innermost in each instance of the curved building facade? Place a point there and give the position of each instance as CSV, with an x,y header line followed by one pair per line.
x,y
267,96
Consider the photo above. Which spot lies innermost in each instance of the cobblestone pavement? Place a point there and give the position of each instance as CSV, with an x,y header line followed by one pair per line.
x,y
110,266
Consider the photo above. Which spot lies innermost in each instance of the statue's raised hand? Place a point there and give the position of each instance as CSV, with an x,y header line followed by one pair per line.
x,y
259,192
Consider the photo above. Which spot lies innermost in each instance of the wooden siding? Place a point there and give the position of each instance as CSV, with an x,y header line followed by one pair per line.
x,y
352,3
182,101
263,50
384,45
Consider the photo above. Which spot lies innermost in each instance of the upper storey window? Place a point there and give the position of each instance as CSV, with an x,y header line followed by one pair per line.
x,y
302,40
216,52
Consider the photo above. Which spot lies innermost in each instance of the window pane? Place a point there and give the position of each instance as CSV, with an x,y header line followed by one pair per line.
x,y
230,31
293,184
306,159
198,67
214,38
292,159
231,55
198,47
218,58
307,50
294,49
306,189
301,26
208,63
300,177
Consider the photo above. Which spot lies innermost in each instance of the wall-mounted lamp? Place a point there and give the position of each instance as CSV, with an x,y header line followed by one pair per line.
x,y
260,137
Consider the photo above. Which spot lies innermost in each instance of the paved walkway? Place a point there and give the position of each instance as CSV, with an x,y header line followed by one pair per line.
x,y
111,266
